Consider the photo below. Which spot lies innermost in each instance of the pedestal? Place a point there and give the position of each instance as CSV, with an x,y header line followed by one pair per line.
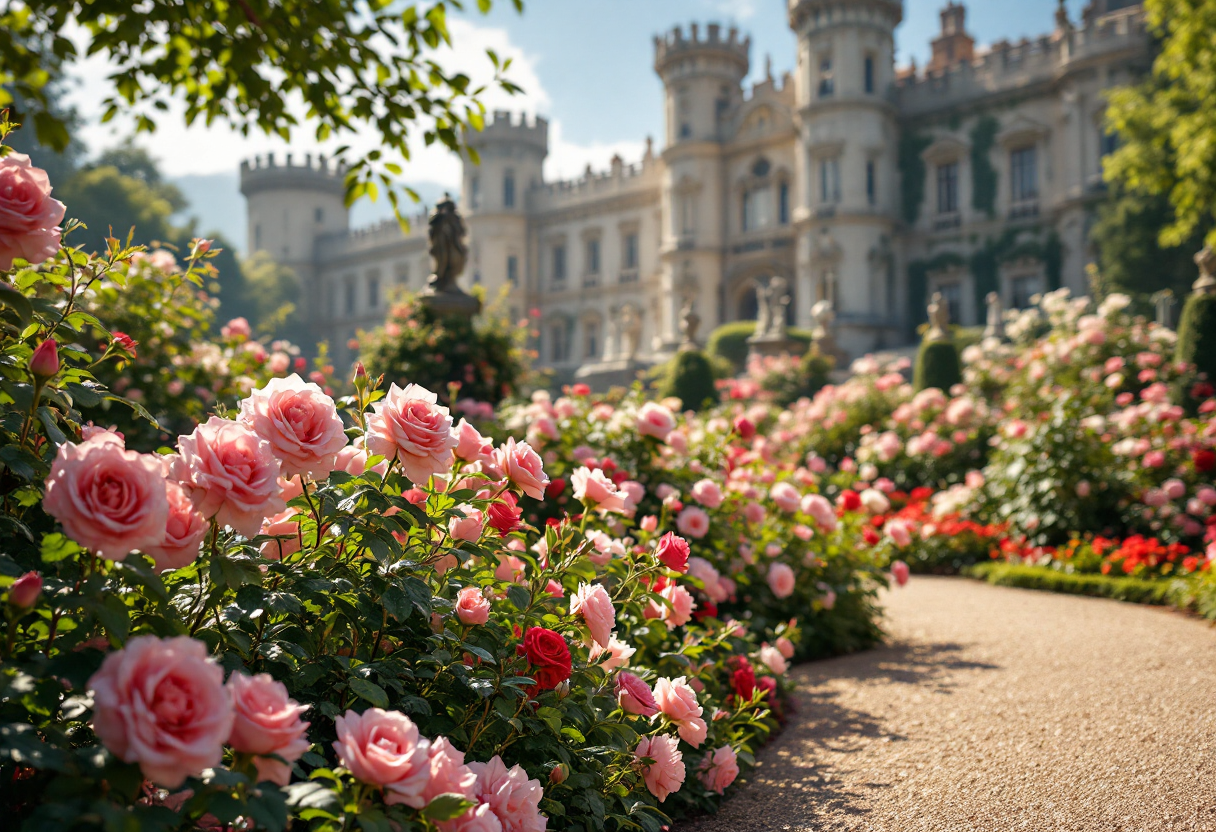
x,y
604,375
767,346
455,302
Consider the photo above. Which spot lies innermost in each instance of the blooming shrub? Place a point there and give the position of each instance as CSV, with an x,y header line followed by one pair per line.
x,y
317,614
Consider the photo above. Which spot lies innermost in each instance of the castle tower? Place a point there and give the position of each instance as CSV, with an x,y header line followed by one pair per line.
x,y
702,77
289,207
847,168
494,201
954,45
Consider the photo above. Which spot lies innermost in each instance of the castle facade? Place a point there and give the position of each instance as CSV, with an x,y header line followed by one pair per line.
x,y
859,184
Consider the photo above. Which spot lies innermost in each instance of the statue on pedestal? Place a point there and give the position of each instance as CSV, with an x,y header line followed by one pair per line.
x,y
1206,261
631,331
449,255
996,316
779,301
764,313
822,316
939,319
689,322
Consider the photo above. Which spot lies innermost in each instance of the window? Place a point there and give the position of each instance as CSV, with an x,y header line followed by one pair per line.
x,y
1023,289
318,214
403,274
591,339
559,342
829,180
947,188
783,203
952,294
559,262
869,73
871,185
757,208
508,190
827,81
1023,175
682,108
350,295
512,269
373,290
593,257
475,192
631,250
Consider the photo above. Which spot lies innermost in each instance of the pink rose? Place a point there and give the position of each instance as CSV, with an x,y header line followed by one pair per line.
x,y
109,500
678,702
162,703
900,572
672,551
897,530
593,489
511,796
786,647
704,571
29,218
409,424
719,769
785,496
468,527
383,748
25,590
634,696
353,460
665,775
773,660
471,446
594,604
693,522
267,722
618,652
233,473
781,580
449,774
510,569
480,818
185,529
286,526
754,513
634,492
707,493
237,328
817,507
300,422
523,467
655,420
472,606
649,523
678,610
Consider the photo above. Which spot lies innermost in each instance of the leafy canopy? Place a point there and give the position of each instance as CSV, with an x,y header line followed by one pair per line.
x,y
1167,124
355,66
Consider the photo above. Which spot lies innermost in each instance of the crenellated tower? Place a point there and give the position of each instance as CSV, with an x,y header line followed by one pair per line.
x,y
511,156
702,78
847,168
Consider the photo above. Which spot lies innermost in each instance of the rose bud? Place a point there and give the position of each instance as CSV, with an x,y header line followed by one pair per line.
x,y
44,363
25,590
559,773
745,428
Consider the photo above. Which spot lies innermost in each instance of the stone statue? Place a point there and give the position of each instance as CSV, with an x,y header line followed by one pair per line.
x,y
449,254
939,319
822,315
996,316
779,301
631,331
764,311
1206,261
689,322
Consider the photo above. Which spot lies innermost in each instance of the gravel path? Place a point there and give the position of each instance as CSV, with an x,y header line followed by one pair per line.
x,y
993,709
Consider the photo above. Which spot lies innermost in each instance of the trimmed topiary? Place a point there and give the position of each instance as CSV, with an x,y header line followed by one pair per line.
x,y
1197,334
690,378
937,365
729,341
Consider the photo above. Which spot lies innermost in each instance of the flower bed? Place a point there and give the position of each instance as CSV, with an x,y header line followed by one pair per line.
x,y
324,614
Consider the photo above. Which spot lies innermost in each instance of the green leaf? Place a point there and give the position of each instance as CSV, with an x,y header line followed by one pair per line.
x,y
520,597
16,301
312,794
447,806
368,690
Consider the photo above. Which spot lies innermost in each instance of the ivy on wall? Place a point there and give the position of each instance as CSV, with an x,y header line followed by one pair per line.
x,y
912,173
983,174
918,285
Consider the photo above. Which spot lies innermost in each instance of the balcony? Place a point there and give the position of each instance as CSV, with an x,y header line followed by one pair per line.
x,y
948,222
1024,210
826,211
628,276
591,280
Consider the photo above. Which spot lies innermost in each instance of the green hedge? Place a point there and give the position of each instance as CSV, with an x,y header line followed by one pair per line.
x,y
1197,334
1135,590
729,341
690,378
937,365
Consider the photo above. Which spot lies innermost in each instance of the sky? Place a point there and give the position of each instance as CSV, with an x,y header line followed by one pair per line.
x,y
587,65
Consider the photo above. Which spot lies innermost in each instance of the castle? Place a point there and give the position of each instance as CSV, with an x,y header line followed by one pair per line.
x,y
859,184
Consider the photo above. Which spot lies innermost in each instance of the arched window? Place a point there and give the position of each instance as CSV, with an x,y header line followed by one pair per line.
x,y
508,189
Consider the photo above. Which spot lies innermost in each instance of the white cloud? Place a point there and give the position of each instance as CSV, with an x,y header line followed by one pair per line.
x,y
568,160
737,9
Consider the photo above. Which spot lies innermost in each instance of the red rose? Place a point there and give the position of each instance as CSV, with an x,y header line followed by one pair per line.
x,y
672,551
745,429
504,516
549,656
1204,459
125,342
555,487
870,536
1203,390
768,685
744,681
705,609
580,390
850,500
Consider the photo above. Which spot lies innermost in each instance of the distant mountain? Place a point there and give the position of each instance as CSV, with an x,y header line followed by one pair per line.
x,y
215,202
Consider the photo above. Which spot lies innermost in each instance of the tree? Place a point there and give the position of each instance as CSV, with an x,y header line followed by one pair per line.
x,y
349,66
270,293
1167,124
1132,259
